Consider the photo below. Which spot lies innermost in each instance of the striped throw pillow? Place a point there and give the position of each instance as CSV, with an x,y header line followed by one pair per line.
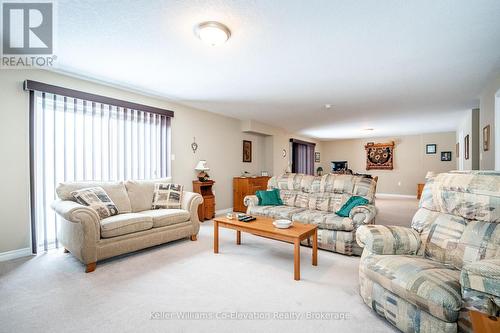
x,y
167,196
97,199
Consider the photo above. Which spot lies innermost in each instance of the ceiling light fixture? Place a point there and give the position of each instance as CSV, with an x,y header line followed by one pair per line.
x,y
213,33
369,129
328,106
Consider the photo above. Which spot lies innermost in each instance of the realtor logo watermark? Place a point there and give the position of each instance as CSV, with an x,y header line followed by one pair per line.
x,y
27,34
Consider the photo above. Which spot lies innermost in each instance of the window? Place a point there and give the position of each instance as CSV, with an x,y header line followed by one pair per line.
x,y
302,156
82,137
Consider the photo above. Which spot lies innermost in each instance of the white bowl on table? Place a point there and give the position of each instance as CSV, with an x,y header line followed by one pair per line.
x,y
282,224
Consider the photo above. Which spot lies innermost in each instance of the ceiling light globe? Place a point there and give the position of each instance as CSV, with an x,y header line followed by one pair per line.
x,y
213,33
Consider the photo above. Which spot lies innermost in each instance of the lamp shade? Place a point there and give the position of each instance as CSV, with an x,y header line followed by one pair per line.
x,y
202,166
430,174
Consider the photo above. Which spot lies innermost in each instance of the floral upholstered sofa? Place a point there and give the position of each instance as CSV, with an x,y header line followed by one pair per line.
x,y
310,199
426,278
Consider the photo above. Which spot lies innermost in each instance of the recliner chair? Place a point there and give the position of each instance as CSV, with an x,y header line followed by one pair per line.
x,y
426,278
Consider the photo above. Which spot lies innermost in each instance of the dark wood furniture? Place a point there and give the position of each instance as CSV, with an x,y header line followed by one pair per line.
x,y
420,188
206,210
263,227
482,323
243,186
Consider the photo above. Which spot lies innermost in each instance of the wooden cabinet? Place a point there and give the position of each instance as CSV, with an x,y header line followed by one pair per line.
x,y
243,186
420,188
206,210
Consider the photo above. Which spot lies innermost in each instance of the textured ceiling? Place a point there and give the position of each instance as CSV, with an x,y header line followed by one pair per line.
x,y
399,67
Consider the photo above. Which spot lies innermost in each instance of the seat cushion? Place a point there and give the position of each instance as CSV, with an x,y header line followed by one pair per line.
x,y
275,212
259,210
335,222
310,216
425,283
123,224
164,217
283,212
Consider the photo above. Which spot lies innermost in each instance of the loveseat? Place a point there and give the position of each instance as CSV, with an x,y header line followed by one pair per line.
x,y
426,278
315,199
137,226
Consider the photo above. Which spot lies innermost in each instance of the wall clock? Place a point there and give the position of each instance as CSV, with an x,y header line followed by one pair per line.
x,y
283,153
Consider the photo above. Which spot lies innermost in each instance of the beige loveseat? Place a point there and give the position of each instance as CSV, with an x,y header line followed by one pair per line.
x,y
136,226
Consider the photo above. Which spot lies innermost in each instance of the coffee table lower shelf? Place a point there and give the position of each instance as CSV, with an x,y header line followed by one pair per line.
x,y
263,227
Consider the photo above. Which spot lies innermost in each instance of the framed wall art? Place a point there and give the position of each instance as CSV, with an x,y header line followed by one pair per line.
x,y
431,148
446,156
486,138
466,147
247,151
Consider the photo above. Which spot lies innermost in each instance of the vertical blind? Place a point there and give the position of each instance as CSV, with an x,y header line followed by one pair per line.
x,y
83,140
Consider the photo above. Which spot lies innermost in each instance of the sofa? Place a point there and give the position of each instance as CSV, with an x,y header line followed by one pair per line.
x,y
137,226
427,277
315,199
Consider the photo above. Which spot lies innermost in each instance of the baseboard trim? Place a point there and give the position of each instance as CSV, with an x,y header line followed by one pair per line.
x,y
14,254
392,195
223,211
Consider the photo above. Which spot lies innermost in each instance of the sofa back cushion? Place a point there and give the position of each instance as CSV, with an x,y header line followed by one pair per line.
x,y
141,193
459,216
289,181
115,190
480,240
319,201
302,200
330,183
288,197
472,195
442,237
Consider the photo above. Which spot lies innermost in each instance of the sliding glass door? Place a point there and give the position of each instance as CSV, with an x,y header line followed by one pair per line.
x,y
82,140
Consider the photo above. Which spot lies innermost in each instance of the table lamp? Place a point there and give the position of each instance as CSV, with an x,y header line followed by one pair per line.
x,y
201,167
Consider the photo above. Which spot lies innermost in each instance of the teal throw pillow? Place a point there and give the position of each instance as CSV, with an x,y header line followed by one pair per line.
x,y
350,204
269,198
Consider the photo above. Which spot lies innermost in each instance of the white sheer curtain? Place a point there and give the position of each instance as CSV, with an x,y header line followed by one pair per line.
x,y
77,140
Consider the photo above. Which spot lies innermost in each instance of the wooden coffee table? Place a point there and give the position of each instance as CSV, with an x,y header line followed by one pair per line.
x,y
264,227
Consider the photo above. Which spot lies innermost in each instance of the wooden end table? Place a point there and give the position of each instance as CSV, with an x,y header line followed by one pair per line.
x,y
264,227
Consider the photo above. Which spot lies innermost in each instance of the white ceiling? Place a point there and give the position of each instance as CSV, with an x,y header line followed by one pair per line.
x,y
400,67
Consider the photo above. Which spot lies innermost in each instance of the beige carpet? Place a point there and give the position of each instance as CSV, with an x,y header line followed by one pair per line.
x,y
50,292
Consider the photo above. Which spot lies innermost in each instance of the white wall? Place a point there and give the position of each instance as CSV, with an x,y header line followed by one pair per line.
x,y
469,126
411,163
219,139
487,117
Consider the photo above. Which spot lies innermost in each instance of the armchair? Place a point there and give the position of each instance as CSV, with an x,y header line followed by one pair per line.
x,y
426,278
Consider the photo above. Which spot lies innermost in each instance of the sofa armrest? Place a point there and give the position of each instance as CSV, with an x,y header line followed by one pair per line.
x,y
80,229
483,276
379,239
251,200
190,202
76,213
363,214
